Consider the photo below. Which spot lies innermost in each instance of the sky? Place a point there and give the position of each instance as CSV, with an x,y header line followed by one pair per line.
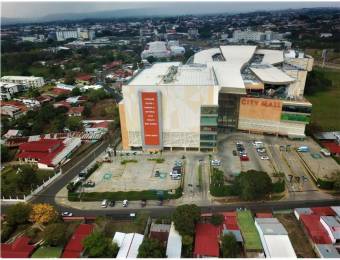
x,y
29,9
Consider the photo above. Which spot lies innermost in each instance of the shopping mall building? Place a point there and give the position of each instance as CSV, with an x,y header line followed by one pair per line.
x,y
184,106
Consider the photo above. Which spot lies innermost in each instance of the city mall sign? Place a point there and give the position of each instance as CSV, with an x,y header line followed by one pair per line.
x,y
261,102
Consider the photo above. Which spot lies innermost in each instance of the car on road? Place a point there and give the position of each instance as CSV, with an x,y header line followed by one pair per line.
x,y
66,214
261,150
215,162
303,149
234,153
244,158
143,203
125,203
112,203
264,158
105,203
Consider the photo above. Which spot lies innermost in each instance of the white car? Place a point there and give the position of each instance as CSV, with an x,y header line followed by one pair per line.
x,y
125,203
66,214
264,158
105,203
215,162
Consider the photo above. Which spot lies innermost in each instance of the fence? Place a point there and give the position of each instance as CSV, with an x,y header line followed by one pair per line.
x,y
26,198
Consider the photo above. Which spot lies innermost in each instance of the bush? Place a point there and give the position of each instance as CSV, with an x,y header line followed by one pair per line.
x,y
278,186
6,232
157,160
217,186
326,185
216,219
128,161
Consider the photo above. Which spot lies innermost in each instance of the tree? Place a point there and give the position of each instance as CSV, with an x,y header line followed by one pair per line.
x,y
185,218
27,177
55,234
69,79
75,92
253,184
87,110
216,219
4,153
43,213
33,93
18,214
97,245
74,123
151,248
229,246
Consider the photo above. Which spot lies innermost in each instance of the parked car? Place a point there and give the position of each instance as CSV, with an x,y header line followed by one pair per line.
x,y
215,162
303,149
244,158
125,203
112,203
175,174
325,152
264,158
261,150
105,203
89,184
143,203
157,174
66,214
234,153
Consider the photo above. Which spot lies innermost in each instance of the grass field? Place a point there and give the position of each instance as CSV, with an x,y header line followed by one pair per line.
x,y
302,247
326,104
248,230
47,252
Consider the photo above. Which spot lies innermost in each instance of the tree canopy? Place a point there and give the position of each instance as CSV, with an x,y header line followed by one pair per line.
x,y
74,123
43,213
253,184
229,246
55,234
185,218
97,245
151,248
18,214
216,219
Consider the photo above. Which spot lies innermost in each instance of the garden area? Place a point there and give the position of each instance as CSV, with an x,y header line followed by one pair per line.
x,y
250,185
20,180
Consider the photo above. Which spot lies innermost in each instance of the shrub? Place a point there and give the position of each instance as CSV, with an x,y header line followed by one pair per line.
x,y
128,161
6,232
278,186
324,184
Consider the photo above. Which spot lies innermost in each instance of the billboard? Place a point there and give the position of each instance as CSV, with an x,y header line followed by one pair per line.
x,y
150,118
260,108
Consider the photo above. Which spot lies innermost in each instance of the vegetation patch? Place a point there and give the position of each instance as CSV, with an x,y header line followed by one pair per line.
x,y
20,180
129,161
48,252
248,230
157,160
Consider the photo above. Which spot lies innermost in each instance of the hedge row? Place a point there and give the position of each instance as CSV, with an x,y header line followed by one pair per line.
x,y
326,185
122,195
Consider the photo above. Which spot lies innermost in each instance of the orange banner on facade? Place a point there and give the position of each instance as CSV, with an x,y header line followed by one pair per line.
x,y
260,108
150,118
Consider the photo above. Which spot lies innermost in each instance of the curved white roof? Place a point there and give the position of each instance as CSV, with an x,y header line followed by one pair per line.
x,y
271,56
271,75
205,56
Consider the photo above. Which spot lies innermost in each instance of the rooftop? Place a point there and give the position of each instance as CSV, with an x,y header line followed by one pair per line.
x,y
271,75
20,248
75,246
206,240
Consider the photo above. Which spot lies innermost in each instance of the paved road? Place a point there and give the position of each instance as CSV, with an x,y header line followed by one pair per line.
x,y
166,211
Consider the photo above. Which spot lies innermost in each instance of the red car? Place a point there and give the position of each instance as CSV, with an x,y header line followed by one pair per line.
x,y
244,158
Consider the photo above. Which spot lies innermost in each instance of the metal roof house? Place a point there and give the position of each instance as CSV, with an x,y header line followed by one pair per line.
x,y
174,245
128,244
274,238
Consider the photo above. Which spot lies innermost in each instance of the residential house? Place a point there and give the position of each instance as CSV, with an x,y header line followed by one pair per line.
x,y
128,244
75,247
20,248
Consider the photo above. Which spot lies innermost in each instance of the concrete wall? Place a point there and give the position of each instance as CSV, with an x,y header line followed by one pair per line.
x,y
180,119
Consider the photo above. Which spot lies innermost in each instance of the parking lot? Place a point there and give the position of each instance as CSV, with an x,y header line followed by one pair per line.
x,y
277,156
134,176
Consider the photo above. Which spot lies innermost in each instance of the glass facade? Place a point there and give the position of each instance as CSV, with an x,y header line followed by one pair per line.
x,y
228,111
295,117
208,126
297,109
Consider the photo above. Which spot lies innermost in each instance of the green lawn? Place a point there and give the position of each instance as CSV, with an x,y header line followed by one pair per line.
x,y
47,252
248,230
326,104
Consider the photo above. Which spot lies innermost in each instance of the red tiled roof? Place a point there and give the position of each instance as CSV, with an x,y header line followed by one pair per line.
x,y
315,229
44,150
84,77
323,211
20,248
332,147
104,124
230,222
59,91
14,103
75,247
62,103
206,240
76,110
264,215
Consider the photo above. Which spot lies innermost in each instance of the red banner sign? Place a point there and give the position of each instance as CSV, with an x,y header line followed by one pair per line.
x,y
150,118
